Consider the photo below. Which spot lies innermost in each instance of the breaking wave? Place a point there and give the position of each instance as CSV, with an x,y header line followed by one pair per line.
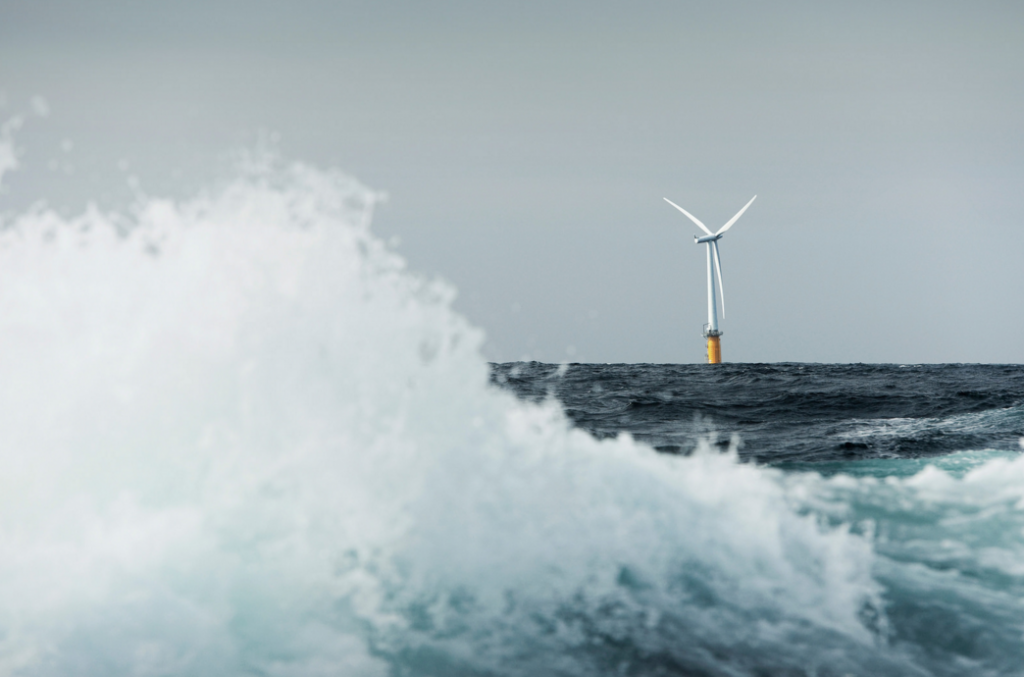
x,y
240,438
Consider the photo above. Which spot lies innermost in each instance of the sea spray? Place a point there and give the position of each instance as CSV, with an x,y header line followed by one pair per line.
x,y
949,541
240,438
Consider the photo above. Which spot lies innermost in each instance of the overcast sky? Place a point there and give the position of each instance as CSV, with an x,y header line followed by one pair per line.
x,y
526,149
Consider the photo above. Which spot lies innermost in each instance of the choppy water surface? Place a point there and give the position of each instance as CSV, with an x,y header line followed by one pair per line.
x,y
789,412
238,437
922,461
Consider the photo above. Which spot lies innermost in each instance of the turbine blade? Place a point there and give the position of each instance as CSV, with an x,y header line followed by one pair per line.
x,y
718,266
691,216
733,219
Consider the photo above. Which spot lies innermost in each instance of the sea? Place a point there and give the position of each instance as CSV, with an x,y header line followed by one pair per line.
x,y
920,461
822,417
240,436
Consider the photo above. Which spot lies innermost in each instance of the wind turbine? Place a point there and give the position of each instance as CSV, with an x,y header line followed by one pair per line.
x,y
711,332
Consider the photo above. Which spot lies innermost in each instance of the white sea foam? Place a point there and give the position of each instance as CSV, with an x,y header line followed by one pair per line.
x,y
238,437
894,428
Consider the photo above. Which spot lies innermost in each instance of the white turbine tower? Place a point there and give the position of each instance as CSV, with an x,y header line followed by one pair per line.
x,y
711,332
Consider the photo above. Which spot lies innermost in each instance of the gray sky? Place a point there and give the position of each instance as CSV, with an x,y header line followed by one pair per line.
x,y
526,149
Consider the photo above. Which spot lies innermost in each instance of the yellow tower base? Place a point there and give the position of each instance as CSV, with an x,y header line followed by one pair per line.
x,y
714,350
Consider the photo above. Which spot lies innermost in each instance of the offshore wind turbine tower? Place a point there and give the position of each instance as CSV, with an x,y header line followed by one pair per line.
x,y
711,331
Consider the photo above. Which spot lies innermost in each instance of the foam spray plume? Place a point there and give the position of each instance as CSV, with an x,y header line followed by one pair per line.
x,y
240,438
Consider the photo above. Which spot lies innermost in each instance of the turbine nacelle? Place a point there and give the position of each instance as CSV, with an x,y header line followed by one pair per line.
x,y
707,238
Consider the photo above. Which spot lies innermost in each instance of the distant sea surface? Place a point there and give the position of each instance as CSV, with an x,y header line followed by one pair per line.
x,y
819,416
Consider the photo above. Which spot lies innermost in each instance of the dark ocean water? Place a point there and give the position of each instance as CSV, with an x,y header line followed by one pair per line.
x,y
789,413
